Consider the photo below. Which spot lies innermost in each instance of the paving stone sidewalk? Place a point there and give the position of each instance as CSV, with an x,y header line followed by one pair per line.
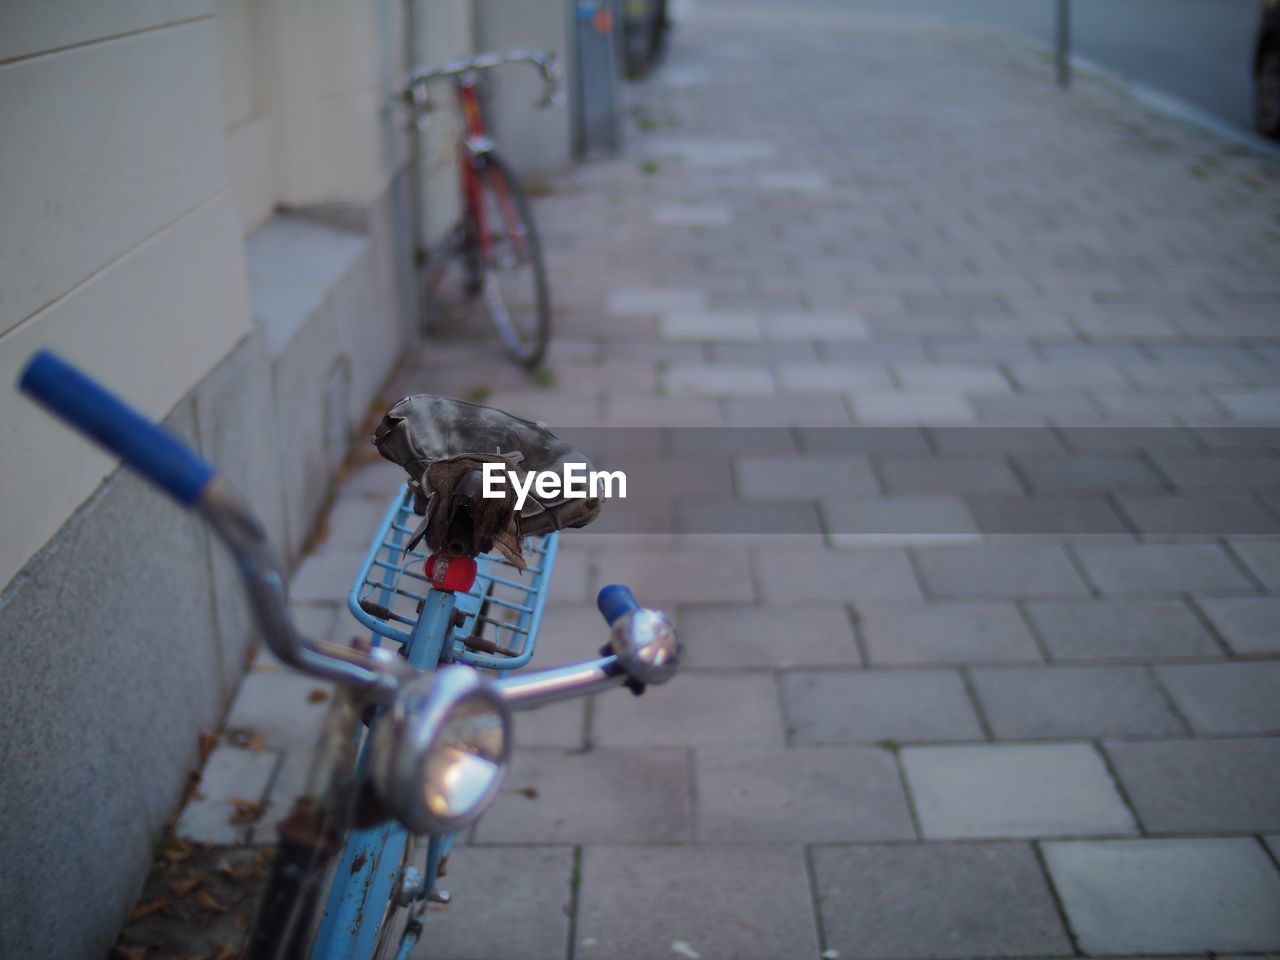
x,y
1043,722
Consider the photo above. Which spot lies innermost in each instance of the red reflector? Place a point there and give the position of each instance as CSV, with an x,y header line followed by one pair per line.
x,y
451,573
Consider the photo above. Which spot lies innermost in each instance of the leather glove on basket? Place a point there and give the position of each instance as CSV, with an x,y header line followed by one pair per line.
x,y
443,445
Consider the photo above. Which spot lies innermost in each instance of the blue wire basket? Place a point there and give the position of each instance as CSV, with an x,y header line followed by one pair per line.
x,y
496,622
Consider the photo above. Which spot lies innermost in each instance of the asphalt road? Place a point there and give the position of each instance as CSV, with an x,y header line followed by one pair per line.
x,y
1198,51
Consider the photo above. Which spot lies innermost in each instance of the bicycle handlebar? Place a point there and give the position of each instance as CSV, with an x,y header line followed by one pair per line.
x,y
643,645
150,449
174,467
548,65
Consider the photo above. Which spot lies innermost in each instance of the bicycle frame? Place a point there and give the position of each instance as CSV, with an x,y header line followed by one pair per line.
x,y
643,648
473,152
369,865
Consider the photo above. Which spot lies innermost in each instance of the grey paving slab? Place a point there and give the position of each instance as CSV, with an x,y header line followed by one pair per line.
x,y
693,709
718,380
351,522
1166,896
948,475
999,570
326,575
902,407
1222,472
1027,410
648,410
655,300
775,636
1111,440
805,477
283,707
1262,557
1062,703
600,796
1201,786
801,574
1226,697
561,724
569,633
945,633
876,706
1120,630
714,442
814,325
964,377
866,440
1198,514
911,519
1036,376
1010,790
747,902
936,900
533,886
816,378
1161,568
1262,406
816,411
1247,624
691,575
1045,515
1029,442
749,521
799,795
764,353
1055,474
231,778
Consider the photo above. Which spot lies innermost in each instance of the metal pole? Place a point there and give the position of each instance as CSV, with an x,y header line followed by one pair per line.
x,y
1063,36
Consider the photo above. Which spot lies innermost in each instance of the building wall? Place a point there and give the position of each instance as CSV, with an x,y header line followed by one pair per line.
x,y
208,205
212,207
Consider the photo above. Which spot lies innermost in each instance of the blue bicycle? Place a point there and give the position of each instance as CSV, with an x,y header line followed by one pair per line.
x,y
416,740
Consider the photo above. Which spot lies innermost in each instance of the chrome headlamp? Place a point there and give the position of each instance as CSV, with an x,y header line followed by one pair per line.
x,y
441,751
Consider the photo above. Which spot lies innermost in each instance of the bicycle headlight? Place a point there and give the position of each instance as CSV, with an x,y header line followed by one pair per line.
x,y
440,753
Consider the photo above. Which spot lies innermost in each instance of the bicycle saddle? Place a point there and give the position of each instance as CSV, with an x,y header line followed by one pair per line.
x,y
443,444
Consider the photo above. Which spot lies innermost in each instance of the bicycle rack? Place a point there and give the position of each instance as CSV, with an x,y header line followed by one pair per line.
x,y
497,620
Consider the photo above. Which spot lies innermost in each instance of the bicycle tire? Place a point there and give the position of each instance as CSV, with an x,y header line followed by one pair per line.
x,y
515,252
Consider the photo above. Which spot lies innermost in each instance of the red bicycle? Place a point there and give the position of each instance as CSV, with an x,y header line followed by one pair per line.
x,y
496,242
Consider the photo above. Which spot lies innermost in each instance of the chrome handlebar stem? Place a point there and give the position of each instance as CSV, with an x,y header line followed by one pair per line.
x,y
643,645
374,673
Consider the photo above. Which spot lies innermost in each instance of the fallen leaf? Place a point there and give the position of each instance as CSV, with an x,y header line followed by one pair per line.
x,y
207,742
183,888
177,850
148,908
247,811
211,902
317,696
247,739
530,792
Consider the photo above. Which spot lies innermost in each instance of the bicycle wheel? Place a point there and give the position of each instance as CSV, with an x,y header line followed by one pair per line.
x,y
514,281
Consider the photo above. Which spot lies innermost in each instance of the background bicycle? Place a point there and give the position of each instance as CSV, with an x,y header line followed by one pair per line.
x,y
496,244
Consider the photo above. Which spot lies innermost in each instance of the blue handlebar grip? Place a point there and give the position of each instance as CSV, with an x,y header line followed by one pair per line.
x,y
616,601
93,410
